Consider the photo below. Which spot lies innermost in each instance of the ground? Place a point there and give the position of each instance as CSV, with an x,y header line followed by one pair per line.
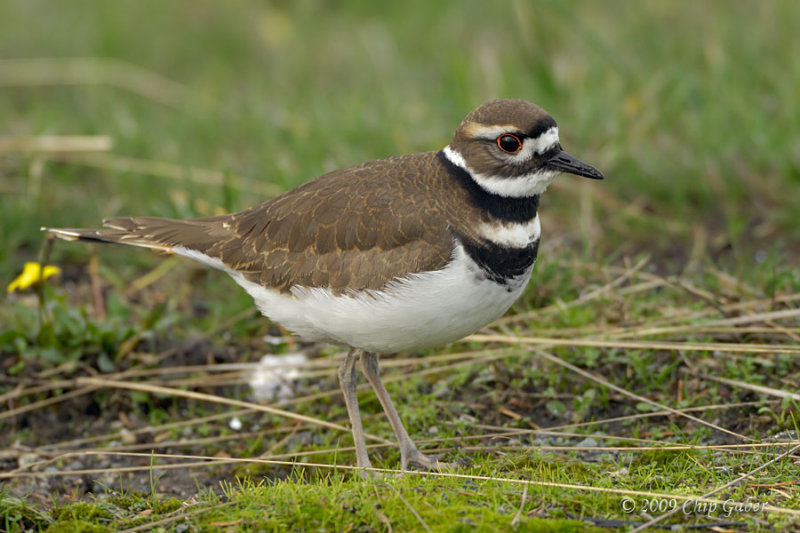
x,y
502,411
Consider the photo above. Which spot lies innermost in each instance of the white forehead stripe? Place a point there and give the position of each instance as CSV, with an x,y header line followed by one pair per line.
x,y
512,234
490,133
545,141
523,186
537,145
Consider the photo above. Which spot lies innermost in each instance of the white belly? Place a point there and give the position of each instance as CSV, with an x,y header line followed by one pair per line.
x,y
424,310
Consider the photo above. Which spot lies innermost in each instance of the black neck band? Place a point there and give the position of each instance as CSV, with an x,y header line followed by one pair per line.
x,y
503,208
502,264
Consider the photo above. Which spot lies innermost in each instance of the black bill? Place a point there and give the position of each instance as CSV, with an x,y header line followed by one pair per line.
x,y
571,165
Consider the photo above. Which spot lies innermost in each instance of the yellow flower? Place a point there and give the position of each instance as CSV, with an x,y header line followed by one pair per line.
x,y
32,273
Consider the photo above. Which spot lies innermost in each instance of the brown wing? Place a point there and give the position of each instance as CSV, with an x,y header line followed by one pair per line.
x,y
356,228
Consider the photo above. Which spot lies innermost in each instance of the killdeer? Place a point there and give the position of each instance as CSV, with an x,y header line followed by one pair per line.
x,y
397,254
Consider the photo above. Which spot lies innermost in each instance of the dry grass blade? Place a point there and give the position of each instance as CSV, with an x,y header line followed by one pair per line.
x,y
20,391
410,508
656,444
518,516
91,71
57,143
702,329
180,514
678,316
757,317
735,448
625,276
111,470
295,456
152,275
640,345
605,289
154,389
651,282
725,325
635,396
201,440
728,485
164,169
633,417
769,391
49,401
75,443
749,448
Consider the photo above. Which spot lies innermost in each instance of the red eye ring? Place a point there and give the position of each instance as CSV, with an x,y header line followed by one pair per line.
x,y
509,143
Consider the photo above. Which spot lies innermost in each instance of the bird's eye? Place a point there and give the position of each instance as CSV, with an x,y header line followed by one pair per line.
x,y
509,143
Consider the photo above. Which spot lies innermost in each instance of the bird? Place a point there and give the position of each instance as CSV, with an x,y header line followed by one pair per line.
x,y
399,254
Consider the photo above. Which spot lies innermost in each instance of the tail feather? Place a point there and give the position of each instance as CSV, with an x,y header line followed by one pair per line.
x,y
162,234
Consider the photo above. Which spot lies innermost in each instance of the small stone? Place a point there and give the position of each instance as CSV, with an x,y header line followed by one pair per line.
x,y
127,436
27,459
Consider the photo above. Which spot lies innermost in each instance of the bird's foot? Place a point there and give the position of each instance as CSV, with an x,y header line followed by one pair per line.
x,y
427,462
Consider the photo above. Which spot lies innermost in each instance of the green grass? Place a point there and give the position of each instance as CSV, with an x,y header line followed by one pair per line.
x,y
309,498
687,107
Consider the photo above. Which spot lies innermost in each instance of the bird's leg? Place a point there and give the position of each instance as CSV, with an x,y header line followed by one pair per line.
x,y
409,454
348,381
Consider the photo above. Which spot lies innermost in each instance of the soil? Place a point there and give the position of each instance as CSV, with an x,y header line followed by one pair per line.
x,y
34,436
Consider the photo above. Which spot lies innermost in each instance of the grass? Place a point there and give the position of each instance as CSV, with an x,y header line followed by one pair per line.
x,y
663,310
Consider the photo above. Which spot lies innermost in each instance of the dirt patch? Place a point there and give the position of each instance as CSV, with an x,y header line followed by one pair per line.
x,y
41,436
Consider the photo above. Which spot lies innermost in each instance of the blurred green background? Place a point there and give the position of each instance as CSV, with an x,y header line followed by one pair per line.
x,y
690,109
